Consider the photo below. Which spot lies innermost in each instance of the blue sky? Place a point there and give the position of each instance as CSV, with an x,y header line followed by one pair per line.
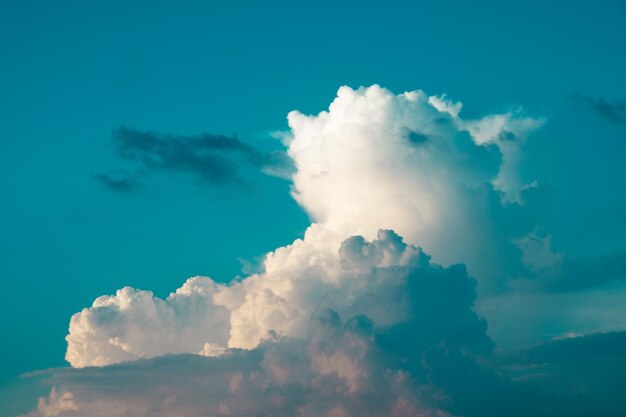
x,y
73,72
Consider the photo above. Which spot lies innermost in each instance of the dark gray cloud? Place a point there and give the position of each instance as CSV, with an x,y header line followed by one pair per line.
x,y
585,273
613,111
117,182
576,349
580,376
213,160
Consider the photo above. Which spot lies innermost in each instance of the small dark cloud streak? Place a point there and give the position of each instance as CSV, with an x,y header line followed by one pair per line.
x,y
117,183
213,160
613,111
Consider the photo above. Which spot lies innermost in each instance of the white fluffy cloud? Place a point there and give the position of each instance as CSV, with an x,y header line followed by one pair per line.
x,y
350,319
411,164
377,279
341,332
133,324
373,161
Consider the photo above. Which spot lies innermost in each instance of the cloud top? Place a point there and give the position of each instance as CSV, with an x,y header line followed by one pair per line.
x,y
410,163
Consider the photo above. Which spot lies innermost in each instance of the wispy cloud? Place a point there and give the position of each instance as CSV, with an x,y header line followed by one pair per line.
x,y
117,182
613,111
214,160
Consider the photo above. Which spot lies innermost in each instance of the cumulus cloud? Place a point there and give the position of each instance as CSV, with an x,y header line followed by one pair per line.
x,y
133,324
329,328
387,280
300,357
413,164
583,273
410,163
212,159
352,319
348,368
336,370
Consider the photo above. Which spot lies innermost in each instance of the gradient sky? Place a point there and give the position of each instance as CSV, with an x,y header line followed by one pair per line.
x,y
72,72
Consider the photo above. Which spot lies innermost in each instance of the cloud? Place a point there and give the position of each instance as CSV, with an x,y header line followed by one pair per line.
x,y
326,330
386,280
116,182
215,160
349,368
335,370
613,111
412,164
581,274
355,318
132,324
578,274
581,348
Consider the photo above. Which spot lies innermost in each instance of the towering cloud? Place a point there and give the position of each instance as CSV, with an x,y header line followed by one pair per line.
x,y
354,319
409,163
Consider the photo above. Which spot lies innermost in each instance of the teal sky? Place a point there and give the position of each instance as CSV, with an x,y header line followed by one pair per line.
x,y
71,72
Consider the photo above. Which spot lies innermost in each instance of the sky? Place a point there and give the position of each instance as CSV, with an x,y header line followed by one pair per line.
x,y
146,143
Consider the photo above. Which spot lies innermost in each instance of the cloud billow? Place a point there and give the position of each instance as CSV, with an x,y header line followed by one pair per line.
x,y
355,318
354,348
